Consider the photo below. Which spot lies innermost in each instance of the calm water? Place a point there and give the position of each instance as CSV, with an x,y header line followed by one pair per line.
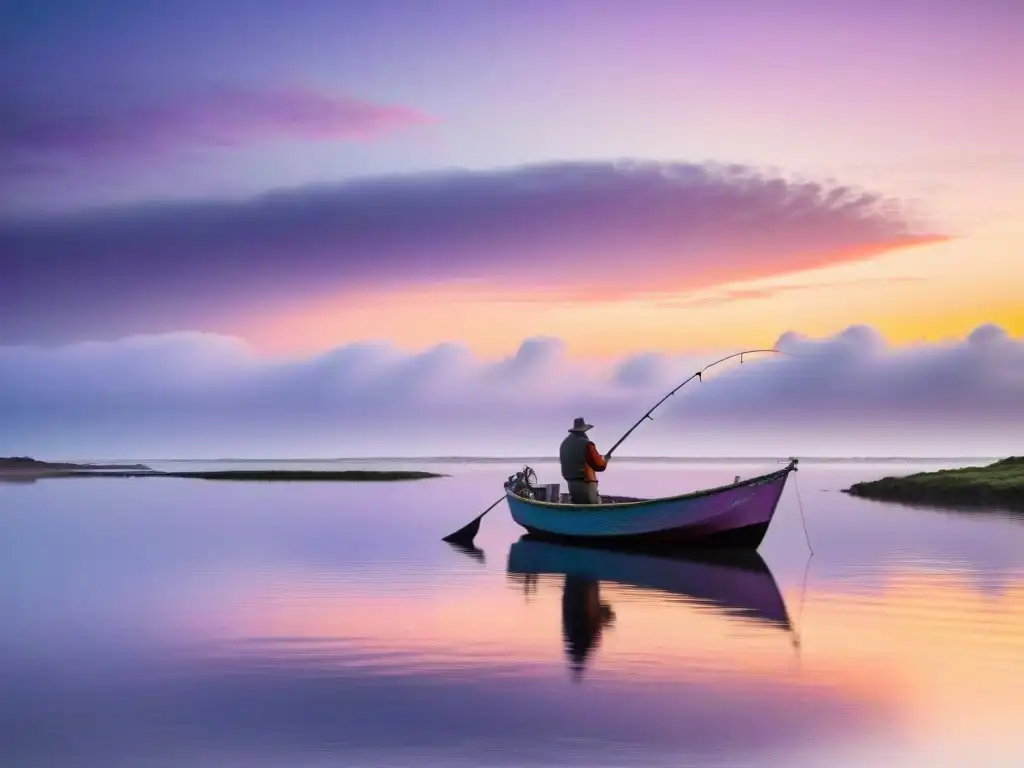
x,y
156,622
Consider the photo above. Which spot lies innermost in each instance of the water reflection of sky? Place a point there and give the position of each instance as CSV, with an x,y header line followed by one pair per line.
x,y
177,622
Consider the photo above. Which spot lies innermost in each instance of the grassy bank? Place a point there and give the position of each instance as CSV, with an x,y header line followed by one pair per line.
x,y
22,467
355,475
28,464
995,485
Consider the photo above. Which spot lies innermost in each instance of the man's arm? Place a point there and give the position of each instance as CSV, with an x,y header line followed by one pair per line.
x,y
595,459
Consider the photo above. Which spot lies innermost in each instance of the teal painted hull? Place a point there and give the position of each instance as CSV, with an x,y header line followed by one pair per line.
x,y
736,515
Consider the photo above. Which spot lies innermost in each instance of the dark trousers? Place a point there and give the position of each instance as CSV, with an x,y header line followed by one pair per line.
x,y
582,492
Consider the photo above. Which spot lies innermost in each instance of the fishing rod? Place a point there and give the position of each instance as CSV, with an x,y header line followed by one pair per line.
x,y
699,376
465,535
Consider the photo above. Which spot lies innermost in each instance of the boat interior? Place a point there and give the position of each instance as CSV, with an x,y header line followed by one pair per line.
x,y
551,493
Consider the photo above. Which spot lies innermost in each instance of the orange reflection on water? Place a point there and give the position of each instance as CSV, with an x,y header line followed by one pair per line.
x,y
931,649
494,627
952,651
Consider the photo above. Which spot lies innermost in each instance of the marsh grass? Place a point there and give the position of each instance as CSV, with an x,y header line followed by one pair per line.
x,y
20,467
998,484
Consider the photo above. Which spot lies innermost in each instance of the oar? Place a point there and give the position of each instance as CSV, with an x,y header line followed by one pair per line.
x,y
466,534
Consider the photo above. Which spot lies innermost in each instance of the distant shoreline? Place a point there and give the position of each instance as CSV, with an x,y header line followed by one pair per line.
x,y
24,468
355,475
28,464
554,459
999,485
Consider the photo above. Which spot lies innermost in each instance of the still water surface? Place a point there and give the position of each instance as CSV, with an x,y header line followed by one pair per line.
x,y
165,622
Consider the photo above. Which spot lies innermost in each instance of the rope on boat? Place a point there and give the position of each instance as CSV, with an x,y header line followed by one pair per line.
x,y
800,504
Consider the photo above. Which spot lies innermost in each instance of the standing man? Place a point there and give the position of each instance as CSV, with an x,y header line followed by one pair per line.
x,y
580,460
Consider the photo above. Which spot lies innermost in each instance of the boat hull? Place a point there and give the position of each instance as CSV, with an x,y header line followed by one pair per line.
x,y
735,516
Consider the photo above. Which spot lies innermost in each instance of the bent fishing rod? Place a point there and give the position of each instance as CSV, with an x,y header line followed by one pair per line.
x,y
465,535
699,375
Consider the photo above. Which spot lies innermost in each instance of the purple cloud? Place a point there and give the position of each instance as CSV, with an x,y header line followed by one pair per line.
x,y
216,117
200,394
591,229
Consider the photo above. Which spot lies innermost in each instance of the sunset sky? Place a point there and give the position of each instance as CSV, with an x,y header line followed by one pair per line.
x,y
650,177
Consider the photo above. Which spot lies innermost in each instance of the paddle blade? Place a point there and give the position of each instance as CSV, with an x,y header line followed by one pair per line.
x,y
465,535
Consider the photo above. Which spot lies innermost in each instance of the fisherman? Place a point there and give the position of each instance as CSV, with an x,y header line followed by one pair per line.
x,y
580,460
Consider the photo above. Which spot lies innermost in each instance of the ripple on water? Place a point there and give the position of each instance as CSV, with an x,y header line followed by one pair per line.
x,y
287,626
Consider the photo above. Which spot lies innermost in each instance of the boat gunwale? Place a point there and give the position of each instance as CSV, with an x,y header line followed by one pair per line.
x,y
614,506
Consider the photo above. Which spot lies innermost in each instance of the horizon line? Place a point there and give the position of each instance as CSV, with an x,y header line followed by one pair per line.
x,y
502,459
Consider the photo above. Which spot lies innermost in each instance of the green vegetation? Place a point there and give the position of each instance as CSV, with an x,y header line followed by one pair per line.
x,y
21,467
354,475
998,485
27,464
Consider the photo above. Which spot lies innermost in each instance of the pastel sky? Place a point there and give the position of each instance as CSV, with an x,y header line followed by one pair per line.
x,y
641,176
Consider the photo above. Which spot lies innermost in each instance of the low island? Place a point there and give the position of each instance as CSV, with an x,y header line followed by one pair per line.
x,y
25,468
24,465
997,485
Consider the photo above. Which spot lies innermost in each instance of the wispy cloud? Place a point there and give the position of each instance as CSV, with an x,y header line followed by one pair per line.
x,y
583,229
752,293
34,132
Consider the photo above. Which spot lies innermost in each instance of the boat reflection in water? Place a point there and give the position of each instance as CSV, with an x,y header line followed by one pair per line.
x,y
735,583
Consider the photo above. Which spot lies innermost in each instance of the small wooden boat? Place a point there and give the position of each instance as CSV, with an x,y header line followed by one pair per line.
x,y
735,515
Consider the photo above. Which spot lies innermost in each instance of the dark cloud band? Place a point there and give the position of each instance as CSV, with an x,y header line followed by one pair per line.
x,y
591,227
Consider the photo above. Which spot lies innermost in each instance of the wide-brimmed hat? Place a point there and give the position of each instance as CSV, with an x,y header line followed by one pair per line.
x,y
580,425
